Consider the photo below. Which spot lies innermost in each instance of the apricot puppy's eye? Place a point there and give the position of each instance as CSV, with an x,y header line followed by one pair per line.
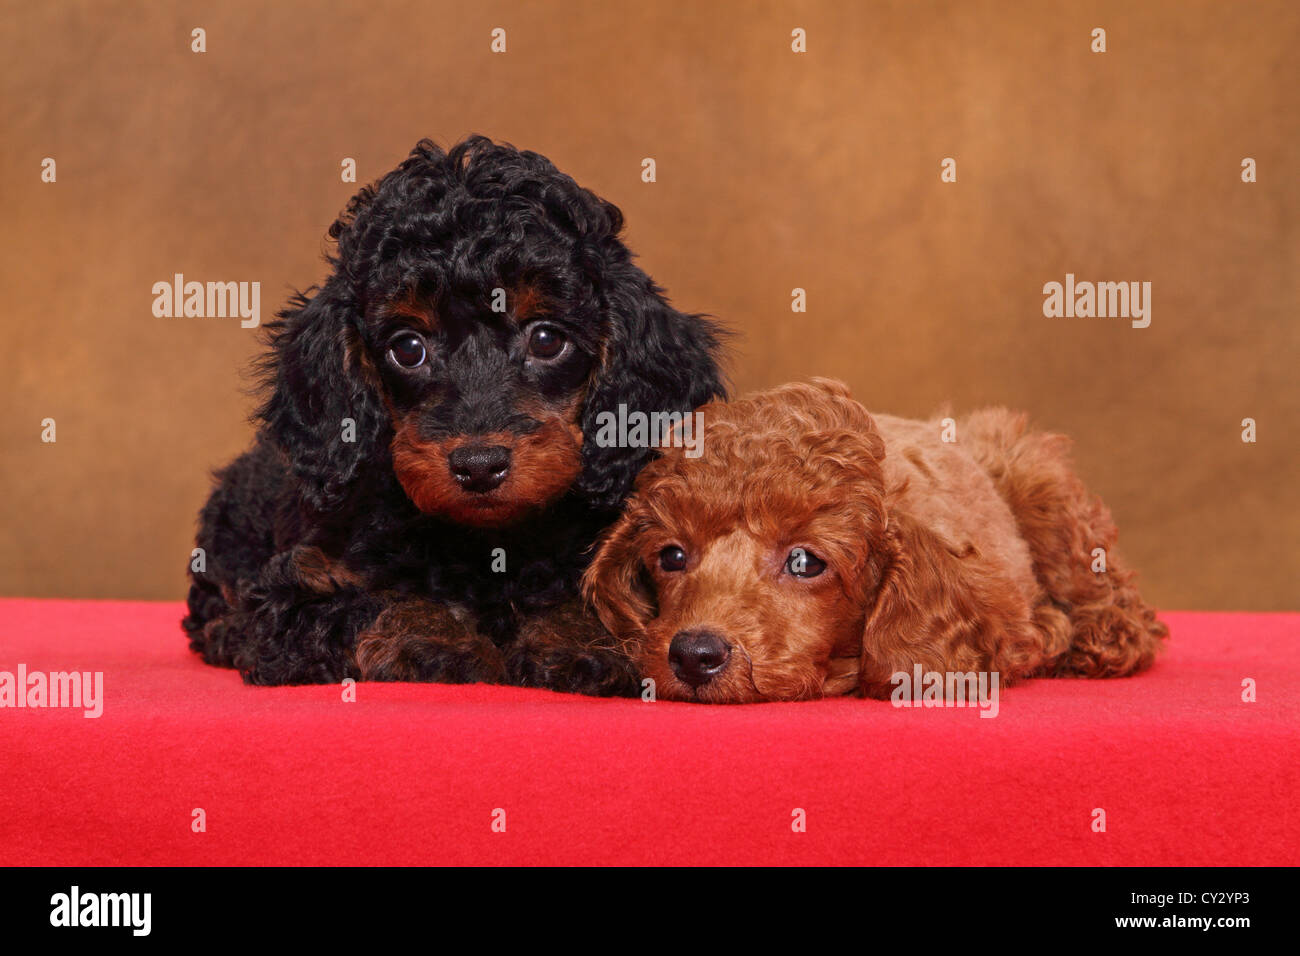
x,y
672,558
802,563
407,350
546,342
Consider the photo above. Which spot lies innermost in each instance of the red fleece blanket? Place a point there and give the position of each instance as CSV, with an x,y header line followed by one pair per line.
x,y
187,765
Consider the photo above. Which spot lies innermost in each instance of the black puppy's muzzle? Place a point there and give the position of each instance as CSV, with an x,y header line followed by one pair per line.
x,y
479,468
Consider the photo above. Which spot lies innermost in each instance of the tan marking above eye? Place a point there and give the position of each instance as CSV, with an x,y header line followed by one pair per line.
x,y
527,302
421,318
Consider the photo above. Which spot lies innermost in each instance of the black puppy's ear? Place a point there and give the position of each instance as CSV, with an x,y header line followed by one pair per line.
x,y
323,409
656,359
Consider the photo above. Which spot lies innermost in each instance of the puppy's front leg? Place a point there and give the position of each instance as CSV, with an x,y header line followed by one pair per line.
x,y
418,640
567,649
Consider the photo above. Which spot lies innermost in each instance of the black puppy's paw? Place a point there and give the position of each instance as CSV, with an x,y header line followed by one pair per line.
x,y
594,671
425,642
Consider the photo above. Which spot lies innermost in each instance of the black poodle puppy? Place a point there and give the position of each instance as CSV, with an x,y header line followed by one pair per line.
x,y
430,468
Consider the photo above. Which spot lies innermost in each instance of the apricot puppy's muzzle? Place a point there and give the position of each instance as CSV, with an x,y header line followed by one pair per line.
x,y
697,657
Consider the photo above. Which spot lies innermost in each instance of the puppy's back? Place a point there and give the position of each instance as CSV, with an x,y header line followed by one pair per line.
x,y
945,486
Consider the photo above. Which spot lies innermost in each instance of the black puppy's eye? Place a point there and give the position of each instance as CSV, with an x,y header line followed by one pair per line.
x,y
545,342
672,558
802,563
407,350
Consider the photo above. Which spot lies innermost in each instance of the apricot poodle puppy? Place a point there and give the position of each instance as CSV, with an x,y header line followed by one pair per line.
x,y
814,549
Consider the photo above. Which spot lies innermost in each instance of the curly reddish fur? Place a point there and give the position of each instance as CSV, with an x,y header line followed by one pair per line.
x,y
967,556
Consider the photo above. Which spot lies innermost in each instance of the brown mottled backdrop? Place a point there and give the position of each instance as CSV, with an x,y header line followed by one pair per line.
x,y
776,170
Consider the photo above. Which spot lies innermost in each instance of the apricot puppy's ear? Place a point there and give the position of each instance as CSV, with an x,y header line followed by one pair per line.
x,y
614,583
939,606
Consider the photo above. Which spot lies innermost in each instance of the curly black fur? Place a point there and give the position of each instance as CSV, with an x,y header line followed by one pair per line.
x,y
309,537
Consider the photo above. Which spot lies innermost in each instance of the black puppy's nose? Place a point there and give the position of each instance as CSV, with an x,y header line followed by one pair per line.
x,y
697,657
479,467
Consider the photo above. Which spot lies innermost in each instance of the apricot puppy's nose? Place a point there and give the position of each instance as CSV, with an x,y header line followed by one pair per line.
x,y
697,657
479,468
